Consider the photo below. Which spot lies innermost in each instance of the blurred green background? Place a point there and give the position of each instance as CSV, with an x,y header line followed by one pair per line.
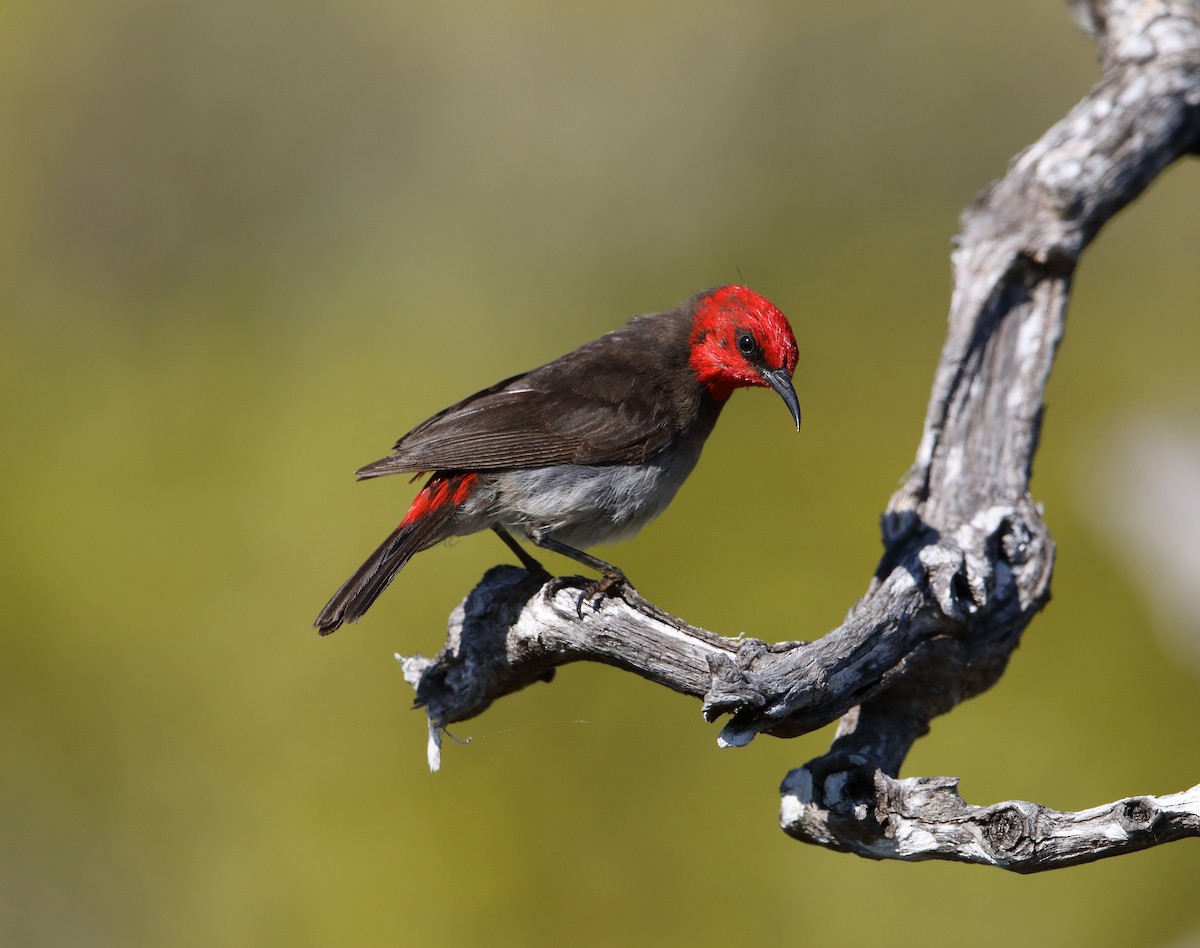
x,y
245,245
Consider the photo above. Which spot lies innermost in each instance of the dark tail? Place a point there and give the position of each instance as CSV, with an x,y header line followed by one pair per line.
x,y
431,510
351,602
358,592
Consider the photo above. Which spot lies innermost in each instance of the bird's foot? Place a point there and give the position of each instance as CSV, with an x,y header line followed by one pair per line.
x,y
595,591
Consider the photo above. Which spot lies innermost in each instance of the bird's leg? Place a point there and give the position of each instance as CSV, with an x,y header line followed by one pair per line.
x,y
610,576
532,566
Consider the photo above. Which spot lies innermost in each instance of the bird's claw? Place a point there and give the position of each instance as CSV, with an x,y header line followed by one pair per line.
x,y
596,590
593,591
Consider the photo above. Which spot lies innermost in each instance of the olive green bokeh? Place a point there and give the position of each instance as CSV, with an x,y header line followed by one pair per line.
x,y
246,245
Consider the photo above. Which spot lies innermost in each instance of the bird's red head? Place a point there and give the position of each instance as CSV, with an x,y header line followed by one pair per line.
x,y
740,338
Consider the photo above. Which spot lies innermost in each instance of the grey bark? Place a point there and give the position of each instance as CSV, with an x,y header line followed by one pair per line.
x,y
967,557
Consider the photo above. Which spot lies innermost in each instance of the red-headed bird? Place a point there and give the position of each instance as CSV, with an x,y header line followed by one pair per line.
x,y
588,448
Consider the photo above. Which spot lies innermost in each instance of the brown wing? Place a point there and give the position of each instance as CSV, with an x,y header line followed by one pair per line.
x,y
615,400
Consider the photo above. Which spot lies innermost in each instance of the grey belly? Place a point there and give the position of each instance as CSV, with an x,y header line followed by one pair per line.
x,y
582,505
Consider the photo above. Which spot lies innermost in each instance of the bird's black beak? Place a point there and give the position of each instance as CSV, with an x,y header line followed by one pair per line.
x,y
779,380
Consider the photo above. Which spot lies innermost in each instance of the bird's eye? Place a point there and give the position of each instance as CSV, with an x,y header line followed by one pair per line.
x,y
746,344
